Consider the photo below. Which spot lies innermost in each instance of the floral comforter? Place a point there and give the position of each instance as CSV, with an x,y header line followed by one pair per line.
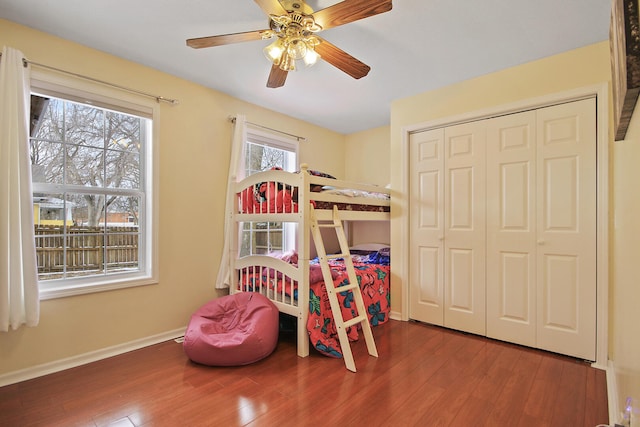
x,y
374,286
372,270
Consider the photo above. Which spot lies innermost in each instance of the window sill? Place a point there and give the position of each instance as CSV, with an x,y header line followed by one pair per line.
x,y
67,290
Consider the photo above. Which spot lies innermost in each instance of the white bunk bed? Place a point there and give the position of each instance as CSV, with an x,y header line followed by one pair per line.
x,y
286,198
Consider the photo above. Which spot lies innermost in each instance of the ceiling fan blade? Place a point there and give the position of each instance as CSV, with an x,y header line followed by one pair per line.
x,y
342,60
349,11
271,7
211,41
277,77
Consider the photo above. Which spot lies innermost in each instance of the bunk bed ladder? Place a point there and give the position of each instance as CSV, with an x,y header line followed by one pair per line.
x,y
332,291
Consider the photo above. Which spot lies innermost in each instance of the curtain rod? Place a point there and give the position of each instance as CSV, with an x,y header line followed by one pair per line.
x,y
298,138
26,61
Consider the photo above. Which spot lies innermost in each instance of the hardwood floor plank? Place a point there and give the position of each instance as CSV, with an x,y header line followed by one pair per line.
x,y
391,389
510,402
474,412
424,376
409,412
571,399
492,375
542,397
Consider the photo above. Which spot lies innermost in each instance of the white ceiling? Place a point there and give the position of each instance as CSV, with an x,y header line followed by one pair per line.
x,y
418,46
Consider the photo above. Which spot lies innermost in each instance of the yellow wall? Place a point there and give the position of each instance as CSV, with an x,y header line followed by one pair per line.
x,y
574,69
194,160
625,263
368,154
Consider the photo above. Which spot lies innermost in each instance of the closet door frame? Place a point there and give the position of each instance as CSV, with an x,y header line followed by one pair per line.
x,y
601,93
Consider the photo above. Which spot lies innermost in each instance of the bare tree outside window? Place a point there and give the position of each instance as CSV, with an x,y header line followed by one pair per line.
x,y
262,157
95,156
85,146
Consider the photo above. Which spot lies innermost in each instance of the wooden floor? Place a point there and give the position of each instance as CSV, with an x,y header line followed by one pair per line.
x,y
425,376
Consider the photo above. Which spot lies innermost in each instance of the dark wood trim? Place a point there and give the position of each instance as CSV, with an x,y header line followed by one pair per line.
x,y
624,37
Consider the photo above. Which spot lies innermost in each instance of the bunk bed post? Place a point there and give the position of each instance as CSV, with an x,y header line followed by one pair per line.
x,y
233,241
304,256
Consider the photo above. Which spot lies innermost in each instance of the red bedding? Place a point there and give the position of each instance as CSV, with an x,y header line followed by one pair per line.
x,y
282,201
272,200
277,197
374,285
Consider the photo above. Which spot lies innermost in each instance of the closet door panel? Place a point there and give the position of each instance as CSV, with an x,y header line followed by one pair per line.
x,y
511,228
567,229
426,227
460,274
503,228
464,228
560,291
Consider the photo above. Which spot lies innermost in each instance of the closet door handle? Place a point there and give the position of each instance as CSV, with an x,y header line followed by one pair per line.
x,y
541,242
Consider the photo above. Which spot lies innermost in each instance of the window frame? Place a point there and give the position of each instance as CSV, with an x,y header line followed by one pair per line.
x,y
255,135
87,92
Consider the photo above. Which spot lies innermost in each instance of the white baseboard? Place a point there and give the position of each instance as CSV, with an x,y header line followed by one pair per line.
x,y
83,359
395,315
612,394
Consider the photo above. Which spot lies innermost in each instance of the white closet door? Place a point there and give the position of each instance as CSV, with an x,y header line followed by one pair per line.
x,y
566,198
447,227
426,234
511,228
464,227
529,181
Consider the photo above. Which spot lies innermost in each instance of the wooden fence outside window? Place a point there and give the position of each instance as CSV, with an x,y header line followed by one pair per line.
x,y
85,253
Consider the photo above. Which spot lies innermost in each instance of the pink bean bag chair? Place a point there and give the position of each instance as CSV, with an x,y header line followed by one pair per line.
x,y
233,330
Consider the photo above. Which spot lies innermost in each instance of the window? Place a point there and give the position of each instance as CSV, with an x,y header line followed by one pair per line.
x,y
263,152
92,162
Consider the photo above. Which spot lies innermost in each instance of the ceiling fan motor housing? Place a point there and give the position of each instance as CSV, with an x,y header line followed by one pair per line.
x,y
296,6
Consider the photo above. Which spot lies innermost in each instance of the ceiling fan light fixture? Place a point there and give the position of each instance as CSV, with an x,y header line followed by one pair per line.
x,y
274,51
311,57
293,46
294,38
287,63
296,48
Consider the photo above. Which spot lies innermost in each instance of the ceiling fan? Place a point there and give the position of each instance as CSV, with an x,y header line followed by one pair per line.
x,y
294,26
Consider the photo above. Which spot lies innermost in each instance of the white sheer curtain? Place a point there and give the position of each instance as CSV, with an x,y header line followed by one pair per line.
x,y
235,170
19,300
